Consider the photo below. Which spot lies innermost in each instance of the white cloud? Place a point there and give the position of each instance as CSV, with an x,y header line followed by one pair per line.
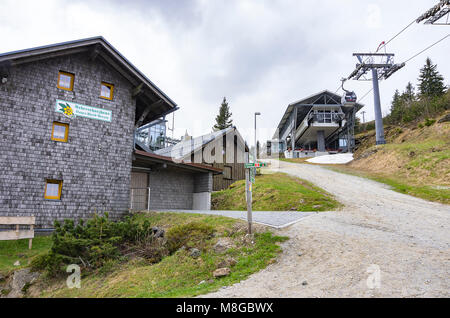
x,y
261,54
373,16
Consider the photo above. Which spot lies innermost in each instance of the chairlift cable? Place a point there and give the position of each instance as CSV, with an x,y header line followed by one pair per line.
x,y
406,27
428,47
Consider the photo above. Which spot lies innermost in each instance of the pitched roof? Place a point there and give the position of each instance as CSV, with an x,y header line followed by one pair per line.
x,y
186,147
97,47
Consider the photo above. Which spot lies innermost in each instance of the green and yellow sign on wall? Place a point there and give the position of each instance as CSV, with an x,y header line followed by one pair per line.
x,y
72,110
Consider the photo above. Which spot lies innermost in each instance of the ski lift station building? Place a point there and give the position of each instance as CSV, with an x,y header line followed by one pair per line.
x,y
316,125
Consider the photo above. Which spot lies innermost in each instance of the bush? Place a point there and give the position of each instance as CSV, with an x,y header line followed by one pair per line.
x,y
91,244
429,122
189,235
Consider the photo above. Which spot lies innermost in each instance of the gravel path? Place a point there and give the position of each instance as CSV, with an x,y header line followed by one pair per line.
x,y
336,254
276,219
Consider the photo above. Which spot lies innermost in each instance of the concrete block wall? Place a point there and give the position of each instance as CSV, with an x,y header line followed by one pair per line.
x,y
171,189
94,164
203,182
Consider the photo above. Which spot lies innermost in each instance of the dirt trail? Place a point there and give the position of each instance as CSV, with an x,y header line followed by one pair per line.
x,y
334,254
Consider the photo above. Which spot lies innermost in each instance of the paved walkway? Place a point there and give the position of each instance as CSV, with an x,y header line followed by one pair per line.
x,y
276,219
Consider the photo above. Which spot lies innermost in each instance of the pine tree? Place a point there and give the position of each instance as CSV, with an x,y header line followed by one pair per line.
x,y
431,83
409,94
223,120
396,108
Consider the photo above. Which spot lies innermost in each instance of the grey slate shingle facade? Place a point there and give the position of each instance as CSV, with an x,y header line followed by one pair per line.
x,y
29,156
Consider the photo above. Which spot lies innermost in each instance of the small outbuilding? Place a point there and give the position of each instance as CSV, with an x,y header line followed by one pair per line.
x,y
223,149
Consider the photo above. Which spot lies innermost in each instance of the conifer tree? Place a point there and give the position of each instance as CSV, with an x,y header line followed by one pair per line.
x,y
431,83
223,120
396,108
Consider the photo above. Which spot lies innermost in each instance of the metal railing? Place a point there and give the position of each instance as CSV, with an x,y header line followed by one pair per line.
x,y
140,198
325,117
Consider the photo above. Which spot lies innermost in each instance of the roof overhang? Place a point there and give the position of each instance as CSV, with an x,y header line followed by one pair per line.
x,y
150,100
157,159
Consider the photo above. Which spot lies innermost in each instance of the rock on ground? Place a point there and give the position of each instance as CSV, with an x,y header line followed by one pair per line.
x,y
223,245
195,252
229,262
445,119
20,279
220,272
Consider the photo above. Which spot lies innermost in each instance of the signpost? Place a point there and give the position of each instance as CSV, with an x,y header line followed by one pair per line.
x,y
250,172
255,165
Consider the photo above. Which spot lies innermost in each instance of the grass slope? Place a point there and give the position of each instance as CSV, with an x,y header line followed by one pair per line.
x,y
415,160
12,251
275,192
177,275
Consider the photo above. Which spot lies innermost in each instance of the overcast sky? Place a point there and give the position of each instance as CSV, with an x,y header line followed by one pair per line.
x,y
261,55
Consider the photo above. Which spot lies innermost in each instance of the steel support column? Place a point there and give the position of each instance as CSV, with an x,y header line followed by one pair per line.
x,y
379,131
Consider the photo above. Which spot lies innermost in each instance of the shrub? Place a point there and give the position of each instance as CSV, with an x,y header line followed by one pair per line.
x,y
193,234
429,122
90,244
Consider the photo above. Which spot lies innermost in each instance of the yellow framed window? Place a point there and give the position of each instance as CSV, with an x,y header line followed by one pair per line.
x,y
53,189
60,131
65,80
106,90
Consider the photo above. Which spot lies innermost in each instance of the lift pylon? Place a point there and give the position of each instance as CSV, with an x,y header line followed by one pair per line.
x,y
374,67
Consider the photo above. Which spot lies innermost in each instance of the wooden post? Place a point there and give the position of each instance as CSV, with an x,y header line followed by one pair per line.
x,y
248,191
148,200
131,200
30,242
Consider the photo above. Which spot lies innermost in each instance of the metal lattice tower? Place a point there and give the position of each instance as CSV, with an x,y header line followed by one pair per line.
x,y
374,67
441,12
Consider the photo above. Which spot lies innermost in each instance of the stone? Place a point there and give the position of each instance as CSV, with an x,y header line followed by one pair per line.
x,y
2,278
17,263
195,252
223,245
157,232
21,278
221,272
304,283
249,239
300,254
444,119
229,262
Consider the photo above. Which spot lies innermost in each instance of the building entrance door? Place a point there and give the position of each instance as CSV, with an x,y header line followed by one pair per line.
x,y
140,191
